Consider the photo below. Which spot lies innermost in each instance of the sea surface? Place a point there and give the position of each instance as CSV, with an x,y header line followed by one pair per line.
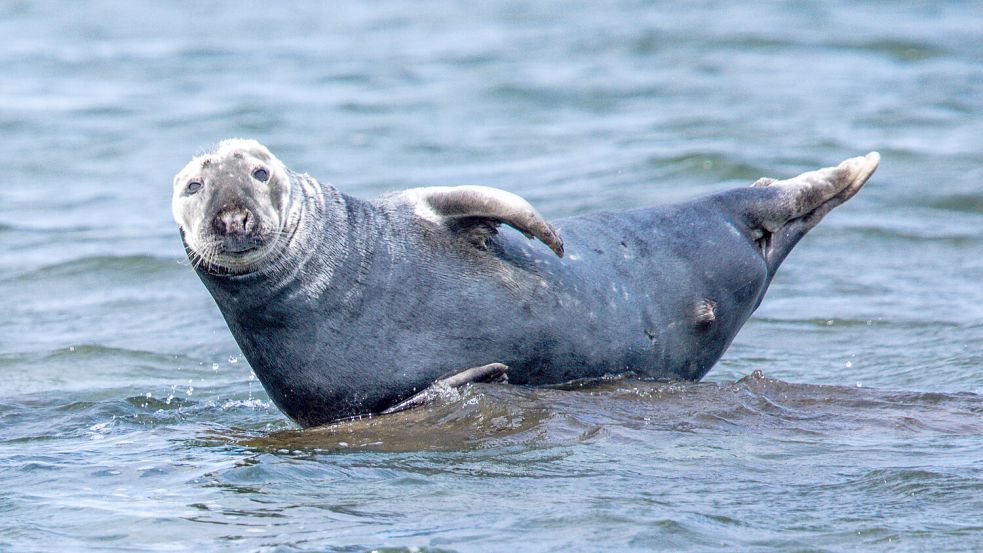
x,y
847,415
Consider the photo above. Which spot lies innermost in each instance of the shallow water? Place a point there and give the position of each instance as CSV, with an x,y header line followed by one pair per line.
x,y
132,422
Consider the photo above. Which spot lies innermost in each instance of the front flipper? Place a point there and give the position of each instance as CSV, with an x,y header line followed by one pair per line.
x,y
478,210
494,372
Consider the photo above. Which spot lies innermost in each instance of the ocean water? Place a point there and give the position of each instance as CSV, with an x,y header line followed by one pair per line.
x,y
847,415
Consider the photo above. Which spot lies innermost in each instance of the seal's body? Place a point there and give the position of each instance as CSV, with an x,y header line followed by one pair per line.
x,y
350,306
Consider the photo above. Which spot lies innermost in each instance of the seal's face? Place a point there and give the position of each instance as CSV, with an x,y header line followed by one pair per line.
x,y
230,205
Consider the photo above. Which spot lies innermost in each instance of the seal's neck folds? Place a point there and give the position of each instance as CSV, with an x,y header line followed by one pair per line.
x,y
316,236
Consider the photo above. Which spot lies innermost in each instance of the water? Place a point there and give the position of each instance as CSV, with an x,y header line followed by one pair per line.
x,y
131,421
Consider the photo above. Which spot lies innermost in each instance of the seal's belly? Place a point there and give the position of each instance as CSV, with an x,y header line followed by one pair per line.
x,y
626,297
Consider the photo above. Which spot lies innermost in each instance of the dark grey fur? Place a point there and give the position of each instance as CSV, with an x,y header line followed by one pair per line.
x,y
372,303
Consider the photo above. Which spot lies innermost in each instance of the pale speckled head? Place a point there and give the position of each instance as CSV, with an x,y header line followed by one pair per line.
x,y
230,204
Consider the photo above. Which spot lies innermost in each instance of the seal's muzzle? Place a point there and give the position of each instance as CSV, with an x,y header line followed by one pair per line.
x,y
238,229
234,222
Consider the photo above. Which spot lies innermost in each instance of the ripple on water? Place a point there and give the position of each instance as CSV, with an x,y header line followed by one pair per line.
x,y
98,369
102,265
897,49
967,203
711,167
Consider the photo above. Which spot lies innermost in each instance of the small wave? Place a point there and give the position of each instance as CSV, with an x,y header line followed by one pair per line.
x,y
73,230
253,403
490,415
152,403
109,353
964,203
838,322
366,107
899,50
96,371
129,264
204,52
891,234
710,166
591,98
904,482
116,412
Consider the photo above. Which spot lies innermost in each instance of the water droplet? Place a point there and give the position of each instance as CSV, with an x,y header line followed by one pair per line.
x,y
848,364
214,366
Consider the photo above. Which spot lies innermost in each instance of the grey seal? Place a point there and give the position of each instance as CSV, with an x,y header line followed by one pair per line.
x,y
346,307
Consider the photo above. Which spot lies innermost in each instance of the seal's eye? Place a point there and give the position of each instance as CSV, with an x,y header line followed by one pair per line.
x,y
260,174
193,186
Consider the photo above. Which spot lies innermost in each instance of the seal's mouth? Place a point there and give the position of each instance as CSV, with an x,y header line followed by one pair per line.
x,y
218,257
243,245
241,251
236,252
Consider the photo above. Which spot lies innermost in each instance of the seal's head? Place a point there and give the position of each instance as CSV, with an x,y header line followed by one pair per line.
x,y
230,204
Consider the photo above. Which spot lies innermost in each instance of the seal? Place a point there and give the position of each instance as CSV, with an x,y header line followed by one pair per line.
x,y
346,307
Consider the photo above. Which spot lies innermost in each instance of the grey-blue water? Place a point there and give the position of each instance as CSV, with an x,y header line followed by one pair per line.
x,y
130,421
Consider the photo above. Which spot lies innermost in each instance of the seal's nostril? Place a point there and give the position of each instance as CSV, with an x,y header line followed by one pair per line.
x,y
218,225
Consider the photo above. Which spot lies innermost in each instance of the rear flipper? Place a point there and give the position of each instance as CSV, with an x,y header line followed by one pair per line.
x,y
494,372
785,210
